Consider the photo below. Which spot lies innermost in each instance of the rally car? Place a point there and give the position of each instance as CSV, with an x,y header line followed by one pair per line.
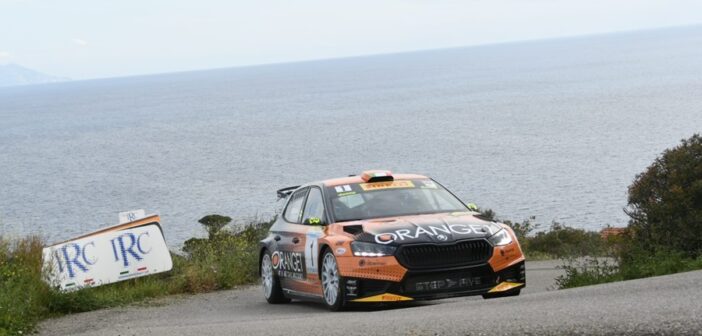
x,y
383,237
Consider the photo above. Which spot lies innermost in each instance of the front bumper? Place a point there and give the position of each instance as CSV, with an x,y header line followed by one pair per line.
x,y
437,284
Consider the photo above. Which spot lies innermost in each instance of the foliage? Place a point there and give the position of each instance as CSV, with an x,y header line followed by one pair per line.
x,y
637,263
665,201
663,236
214,224
589,271
593,271
522,229
562,241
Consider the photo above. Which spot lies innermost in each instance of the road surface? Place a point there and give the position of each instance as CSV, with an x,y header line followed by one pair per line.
x,y
669,305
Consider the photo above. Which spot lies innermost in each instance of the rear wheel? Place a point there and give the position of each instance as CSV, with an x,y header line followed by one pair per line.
x,y
501,294
331,282
270,282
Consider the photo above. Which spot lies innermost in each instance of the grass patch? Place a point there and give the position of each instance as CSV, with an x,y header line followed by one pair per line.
x,y
626,266
222,261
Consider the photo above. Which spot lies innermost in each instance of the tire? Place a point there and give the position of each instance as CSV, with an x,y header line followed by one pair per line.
x,y
332,290
270,282
500,295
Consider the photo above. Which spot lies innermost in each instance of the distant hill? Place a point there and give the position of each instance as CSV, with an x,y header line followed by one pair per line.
x,y
13,74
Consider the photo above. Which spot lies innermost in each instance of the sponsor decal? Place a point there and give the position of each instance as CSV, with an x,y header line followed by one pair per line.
x,y
434,231
386,297
340,250
458,282
505,286
312,251
288,264
386,185
343,188
351,288
369,262
106,257
130,216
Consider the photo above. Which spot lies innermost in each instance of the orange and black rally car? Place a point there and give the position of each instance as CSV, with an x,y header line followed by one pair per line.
x,y
381,237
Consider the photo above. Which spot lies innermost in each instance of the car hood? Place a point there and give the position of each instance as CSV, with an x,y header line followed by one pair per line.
x,y
435,228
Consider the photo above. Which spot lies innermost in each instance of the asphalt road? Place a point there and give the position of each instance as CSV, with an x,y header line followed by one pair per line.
x,y
663,305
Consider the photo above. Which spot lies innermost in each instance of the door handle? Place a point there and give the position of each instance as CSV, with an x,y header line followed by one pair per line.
x,y
276,238
296,240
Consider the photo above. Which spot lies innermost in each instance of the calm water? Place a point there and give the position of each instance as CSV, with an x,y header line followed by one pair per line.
x,y
556,129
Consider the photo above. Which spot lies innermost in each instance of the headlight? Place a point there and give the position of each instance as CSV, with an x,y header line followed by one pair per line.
x,y
361,249
500,238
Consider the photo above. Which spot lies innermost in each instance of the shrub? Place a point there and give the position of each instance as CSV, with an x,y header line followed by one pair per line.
x,y
214,224
665,210
563,241
588,271
665,202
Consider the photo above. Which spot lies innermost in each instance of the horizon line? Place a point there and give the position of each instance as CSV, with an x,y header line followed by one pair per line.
x,y
356,56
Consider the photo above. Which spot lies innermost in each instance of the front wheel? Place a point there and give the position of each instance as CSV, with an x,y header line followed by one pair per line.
x,y
331,283
270,282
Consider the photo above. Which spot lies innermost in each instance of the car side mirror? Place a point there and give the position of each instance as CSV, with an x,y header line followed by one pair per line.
x,y
313,221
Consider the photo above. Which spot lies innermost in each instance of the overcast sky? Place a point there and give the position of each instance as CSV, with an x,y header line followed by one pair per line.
x,y
92,38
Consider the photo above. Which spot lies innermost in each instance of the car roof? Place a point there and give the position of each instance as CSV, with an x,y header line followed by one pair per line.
x,y
357,179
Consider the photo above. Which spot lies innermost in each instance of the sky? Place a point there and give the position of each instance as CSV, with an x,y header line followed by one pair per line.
x,y
83,39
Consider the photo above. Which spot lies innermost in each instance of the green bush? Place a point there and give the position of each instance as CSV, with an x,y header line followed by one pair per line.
x,y
523,229
588,271
562,241
640,263
22,294
665,202
665,210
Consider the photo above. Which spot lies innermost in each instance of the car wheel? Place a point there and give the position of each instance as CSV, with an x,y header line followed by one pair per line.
x,y
270,282
499,295
331,282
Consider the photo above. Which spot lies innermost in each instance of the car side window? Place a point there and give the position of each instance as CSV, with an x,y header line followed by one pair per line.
x,y
314,208
294,209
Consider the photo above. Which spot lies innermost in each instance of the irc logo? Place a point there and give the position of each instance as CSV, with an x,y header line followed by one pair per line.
x,y
127,248
124,246
73,255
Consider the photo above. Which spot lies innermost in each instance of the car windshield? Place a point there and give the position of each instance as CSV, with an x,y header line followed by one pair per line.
x,y
388,199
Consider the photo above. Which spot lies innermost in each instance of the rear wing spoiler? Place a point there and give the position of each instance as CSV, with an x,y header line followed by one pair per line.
x,y
285,192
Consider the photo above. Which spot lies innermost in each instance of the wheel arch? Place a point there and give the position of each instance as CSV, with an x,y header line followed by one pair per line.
x,y
323,247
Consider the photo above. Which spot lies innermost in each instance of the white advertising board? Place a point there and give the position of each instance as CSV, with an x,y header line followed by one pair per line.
x,y
107,257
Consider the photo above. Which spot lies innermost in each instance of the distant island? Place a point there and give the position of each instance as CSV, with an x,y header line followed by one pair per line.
x,y
13,74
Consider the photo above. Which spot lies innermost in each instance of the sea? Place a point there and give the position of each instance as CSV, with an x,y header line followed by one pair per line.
x,y
547,130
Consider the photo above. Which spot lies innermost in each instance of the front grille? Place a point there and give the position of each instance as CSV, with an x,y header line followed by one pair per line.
x,y
463,253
